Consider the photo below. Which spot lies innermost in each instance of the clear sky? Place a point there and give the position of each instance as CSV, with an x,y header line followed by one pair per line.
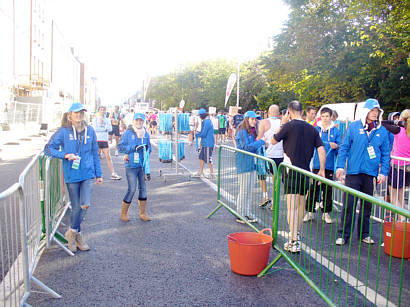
x,y
122,41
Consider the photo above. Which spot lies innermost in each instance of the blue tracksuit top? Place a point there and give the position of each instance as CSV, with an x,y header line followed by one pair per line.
x,y
354,149
129,141
246,141
207,134
332,134
66,141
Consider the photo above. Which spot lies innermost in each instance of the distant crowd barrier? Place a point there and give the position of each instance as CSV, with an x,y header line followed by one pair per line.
x,y
354,273
30,213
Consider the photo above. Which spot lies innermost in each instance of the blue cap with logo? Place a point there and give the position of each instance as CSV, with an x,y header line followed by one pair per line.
x,y
201,111
139,116
76,107
371,103
251,114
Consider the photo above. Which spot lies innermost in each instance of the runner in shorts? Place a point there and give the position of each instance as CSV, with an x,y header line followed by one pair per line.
x,y
115,118
299,141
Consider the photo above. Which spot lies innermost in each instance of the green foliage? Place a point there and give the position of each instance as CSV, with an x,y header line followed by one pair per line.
x,y
329,51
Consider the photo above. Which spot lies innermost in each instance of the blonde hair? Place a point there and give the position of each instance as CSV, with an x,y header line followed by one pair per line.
x,y
405,115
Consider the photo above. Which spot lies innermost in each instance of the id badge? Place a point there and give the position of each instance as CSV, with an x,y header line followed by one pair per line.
x,y
371,152
136,157
76,163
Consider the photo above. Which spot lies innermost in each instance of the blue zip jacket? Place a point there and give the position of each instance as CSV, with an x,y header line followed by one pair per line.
x,y
354,149
129,141
207,134
332,134
66,141
246,141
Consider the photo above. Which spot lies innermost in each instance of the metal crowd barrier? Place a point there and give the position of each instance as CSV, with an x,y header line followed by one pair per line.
x,y
32,187
14,280
241,193
352,274
56,201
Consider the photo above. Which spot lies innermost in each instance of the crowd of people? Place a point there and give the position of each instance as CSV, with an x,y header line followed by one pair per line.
x,y
295,136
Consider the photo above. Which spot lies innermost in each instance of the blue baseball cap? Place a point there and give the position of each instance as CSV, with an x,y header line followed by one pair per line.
x,y
76,107
251,114
371,103
201,111
139,116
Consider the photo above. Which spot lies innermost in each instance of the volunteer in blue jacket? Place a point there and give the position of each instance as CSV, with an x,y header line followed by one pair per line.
x,y
330,136
365,147
207,144
76,143
245,165
135,143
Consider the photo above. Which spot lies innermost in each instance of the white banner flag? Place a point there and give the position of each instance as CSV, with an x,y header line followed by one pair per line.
x,y
146,84
229,86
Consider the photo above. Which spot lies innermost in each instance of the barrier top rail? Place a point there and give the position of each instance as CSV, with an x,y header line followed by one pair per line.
x,y
245,152
346,189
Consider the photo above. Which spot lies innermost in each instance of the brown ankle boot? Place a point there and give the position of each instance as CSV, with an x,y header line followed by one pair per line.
x,y
79,241
143,208
70,235
124,211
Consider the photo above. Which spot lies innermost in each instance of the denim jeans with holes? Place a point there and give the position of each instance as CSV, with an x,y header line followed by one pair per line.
x,y
134,176
80,195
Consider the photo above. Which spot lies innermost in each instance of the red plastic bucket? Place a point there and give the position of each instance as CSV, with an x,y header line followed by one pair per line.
x,y
249,251
396,249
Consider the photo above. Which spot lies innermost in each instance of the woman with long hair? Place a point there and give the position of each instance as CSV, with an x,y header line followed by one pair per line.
x,y
399,175
76,144
245,138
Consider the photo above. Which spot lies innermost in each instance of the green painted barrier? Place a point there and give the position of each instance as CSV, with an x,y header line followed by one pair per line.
x,y
354,273
241,193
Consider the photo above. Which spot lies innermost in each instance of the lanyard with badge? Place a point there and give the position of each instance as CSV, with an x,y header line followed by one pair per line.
x,y
370,148
76,162
137,155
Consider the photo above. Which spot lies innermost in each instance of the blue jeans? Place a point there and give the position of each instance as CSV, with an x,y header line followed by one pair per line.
x,y
80,195
135,175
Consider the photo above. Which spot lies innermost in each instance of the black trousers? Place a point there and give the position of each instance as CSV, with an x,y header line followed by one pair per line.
x,y
314,194
363,183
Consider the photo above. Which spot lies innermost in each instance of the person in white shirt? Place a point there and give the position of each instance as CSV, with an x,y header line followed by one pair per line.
x,y
267,129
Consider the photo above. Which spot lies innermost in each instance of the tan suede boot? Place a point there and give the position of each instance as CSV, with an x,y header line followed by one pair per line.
x,y
143,208
70,235
124,211
79,241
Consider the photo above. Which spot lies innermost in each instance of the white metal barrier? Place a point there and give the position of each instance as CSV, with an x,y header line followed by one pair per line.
x,y
14,280
32,195
56,200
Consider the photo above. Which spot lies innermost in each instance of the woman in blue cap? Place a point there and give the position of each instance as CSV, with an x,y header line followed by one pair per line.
x,y
76,143
246,140
135,143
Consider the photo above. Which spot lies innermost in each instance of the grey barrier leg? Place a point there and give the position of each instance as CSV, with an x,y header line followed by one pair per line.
x,y
45,288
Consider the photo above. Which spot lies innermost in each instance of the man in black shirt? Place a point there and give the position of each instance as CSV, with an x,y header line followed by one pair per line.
x,y
299,141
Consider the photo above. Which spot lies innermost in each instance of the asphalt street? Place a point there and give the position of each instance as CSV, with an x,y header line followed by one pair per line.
x,y
178,259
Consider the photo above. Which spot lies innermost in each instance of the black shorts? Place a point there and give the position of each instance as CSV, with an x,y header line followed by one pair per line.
x,y
115,131
222,130
206,154
153,123
102,144
398,177
294,182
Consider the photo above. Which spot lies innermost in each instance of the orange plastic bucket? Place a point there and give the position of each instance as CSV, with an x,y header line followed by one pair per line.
x,y
249,251
396,249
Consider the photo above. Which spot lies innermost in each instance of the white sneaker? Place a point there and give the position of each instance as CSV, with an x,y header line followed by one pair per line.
x,y
116,153
308,217
340,241
115,176
326,217
197,175
368,240
292,246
